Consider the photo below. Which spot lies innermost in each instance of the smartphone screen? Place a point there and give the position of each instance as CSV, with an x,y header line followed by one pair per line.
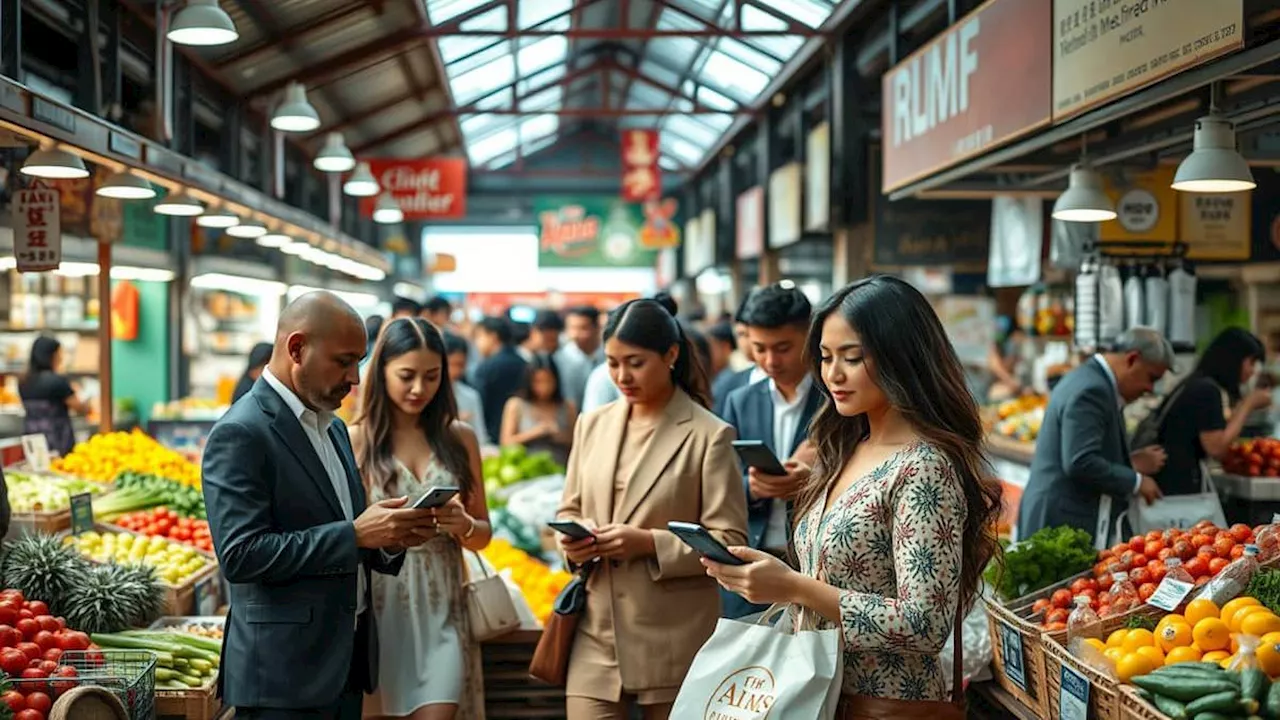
x,y
571,528
697,537
435,497
754,454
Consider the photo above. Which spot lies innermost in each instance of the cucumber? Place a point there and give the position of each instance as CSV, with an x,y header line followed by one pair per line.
x,y
1183,688
1144,694
1254,684
1174,709
1228,701
1201,665
1211,715
1272,704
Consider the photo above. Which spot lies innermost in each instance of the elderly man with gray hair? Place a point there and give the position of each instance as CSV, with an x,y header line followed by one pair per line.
x,y
1084,474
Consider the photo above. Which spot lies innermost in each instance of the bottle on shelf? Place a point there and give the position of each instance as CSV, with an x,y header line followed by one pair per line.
x,y
1082,624
1233,579
1173,569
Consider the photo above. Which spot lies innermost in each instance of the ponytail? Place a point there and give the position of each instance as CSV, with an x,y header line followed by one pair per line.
x,y
690,374
651,325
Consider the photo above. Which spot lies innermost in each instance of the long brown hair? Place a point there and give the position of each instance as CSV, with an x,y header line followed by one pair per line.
x,y
914,365
437,420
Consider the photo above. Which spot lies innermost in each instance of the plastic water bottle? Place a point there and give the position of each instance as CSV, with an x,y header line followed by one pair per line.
x,y
1083,623
1124,596
1234,578
1173,569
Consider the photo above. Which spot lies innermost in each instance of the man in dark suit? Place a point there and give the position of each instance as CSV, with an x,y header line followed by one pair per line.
x,y
777,412
293,536
500,375
1083,473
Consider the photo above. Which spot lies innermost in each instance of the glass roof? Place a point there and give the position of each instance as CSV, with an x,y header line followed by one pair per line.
x,y
716,73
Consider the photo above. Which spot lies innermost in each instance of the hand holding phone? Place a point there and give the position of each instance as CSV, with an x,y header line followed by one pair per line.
x,y
755,454
435,497
697,537
571,529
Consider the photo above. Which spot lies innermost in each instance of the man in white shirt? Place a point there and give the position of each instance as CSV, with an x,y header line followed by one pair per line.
x,y
583,353
293,535
775,412
470,408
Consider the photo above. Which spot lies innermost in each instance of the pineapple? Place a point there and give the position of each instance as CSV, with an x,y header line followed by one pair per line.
x,y
44,569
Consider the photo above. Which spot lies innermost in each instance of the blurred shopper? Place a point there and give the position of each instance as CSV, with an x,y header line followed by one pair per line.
x,y
747,375
894,525
407,440
722,341
601,390
1083,473
259,356
544,332
403,308
500,373
48,398
659,455
539,417
776,412
470,407
438,311
522,338
582,354
1203,416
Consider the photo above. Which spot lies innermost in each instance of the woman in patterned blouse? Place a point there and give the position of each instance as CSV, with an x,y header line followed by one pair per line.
x,y
896,522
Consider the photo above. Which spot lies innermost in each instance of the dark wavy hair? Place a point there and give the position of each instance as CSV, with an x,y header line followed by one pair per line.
x,y
540,363
652,325
438,418
913,363
1222,360
43,350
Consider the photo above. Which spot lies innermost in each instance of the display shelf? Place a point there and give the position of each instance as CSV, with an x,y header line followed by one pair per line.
x,y
509,692
989,701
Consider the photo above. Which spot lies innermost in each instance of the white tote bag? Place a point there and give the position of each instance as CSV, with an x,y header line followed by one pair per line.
x,y
1179,511
752,669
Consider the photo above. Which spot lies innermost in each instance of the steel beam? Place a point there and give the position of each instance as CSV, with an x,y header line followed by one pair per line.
x,y
11,38
849,192
291,35
356,119
908,21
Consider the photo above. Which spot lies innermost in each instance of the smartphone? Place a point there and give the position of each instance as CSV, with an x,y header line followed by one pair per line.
x,y
755,454
435,497
574,529
697,537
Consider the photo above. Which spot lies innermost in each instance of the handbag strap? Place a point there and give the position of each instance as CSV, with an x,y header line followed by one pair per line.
x,y
957,661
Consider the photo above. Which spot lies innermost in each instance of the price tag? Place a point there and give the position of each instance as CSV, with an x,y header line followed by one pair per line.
x,y
1015,667
81,513
1170,594
206,595
1073,701
1275,519
36,449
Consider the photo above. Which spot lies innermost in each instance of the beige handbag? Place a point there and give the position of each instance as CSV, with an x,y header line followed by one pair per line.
x,y
489,606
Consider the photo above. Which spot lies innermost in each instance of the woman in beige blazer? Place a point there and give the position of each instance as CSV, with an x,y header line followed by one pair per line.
x,y
637,463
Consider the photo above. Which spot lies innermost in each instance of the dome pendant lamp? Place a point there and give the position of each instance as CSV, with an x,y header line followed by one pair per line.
x,y
295,114
202,23
334,157
387,211
1214,165
361,183
1084,199
54,163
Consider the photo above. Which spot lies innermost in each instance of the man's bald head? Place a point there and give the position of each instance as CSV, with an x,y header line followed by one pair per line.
x,y
319,343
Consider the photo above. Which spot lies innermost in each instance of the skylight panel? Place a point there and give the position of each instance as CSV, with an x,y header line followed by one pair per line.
x,y
477,83
459,46
734,76
442,11
471,61
551,98
658,71
809,12
666,163
538,11
646,97
682,150
490,147
714,100
690,129
542,54
676,52
705,9
748,56
537,126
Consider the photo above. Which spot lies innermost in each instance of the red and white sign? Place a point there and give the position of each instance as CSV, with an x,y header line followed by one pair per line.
x,y
749,239
37,228
641,176
426,189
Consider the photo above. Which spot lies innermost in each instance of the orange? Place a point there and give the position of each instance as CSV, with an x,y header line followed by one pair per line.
x,y
1216,656
1170,620
1153,654
1096,644
1269,654
1238,617
1113,654
1183,655
1260,623
1174,635
1116,639
1232,606
1212,634
1138,638
1199,609
1134,664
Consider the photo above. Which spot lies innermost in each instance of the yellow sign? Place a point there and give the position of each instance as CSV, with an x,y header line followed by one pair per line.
x,y
1216,226
1105,49
1147,207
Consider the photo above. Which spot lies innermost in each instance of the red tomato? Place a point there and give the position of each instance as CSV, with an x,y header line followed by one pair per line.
x,y
35,673
29,714
13,661
1079,585
1185,549
1104,583
25,614
1136,543
1061,599
31,650
1157,570
28,628
9,637
39,701
54,654
1153,548
14,700
1198,567
1056,615
1216,565
48,622
1223,544
45,640
1039,607
1240,532
1237,552
14,595
1166,553
1140,560
1146,590
74,640
1154,535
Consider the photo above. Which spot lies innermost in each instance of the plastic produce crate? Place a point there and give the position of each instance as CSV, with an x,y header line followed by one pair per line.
x,y
128,674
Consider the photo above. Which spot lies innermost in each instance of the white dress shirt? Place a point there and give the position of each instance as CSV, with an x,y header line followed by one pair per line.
x,y
470,405
600,389
1137,484
316,427
786,423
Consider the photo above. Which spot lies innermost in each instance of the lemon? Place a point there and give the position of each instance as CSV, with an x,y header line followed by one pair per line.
x,y
1260,624
1116,639
1182,655
1096,644
1134,664
1174,635
1138,638
1232,606
1237,618
1113,654
1152,653
1199,609
1216,656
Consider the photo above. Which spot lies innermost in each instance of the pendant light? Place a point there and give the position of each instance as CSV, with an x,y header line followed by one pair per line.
x,y
296,247
248,229
179,204
221,218
124,185
202,23
387,211
54,163
1214,165
361,183
295,114
334,157
274,239
1084,199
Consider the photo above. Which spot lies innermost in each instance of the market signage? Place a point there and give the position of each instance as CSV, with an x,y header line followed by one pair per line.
x,y
1146,207
1216,226
785,222
932,232
983,82
426,188
641,176
37,233
749,235
596,231
1104,49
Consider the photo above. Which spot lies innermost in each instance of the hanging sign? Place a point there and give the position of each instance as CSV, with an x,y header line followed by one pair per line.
x,y
590,231
1216,226
641,176
1146,207
960,95
817,178
37,232
660,230
749,230
785,223
425,189
1105,49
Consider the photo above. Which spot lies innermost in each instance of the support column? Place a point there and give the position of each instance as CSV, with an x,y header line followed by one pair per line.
x,y
768,271
11,38
112,75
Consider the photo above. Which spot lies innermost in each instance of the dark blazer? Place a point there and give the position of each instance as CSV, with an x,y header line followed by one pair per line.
x,y
724,384
1082,454
497,378
290,558
750,411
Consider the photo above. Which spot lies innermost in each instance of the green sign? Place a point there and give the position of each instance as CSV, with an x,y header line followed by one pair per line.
x,y
81,513
591,231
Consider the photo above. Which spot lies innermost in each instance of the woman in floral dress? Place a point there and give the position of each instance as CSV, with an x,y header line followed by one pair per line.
x,y
896,521
407,440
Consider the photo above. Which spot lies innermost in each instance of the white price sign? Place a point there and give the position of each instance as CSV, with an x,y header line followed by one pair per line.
x,y
37,228
36,450
1073,701
1170,594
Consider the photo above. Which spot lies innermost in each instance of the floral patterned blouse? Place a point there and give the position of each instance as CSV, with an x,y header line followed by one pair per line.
x,y
891,543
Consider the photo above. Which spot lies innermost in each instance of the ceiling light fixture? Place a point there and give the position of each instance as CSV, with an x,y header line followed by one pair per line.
x,y
296,247
220,218
248,229
295,114
1214,165
1084,199
387,211
274,240
54,163
179,204
202,23
361,183
334,157
124,185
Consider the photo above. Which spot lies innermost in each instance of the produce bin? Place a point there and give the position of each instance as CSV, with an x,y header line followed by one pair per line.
x,y
181,600
197,703
509,692
1104,690
129,674
1133,707
37,523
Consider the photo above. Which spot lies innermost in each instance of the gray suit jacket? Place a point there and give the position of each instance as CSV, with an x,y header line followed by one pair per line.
x,y
290,558
1082,454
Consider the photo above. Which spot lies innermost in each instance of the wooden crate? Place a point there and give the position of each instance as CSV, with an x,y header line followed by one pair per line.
x,y
195,704
1133,707
180,600
509,692
1104,689
33,523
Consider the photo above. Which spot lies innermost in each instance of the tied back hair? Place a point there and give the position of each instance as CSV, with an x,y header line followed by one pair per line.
x,y
911,360
437,420
43,350
651,324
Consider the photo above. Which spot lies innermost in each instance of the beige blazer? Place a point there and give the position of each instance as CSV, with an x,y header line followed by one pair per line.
x,y
664,607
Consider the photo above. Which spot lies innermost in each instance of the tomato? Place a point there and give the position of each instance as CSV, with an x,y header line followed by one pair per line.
x,y
1079,585
1184,549
54,654
45,640
1104,583
13,661
1154,535
15,596
28,628
1091,594
1157,570
38,607
1217,564
1153,548
14,700
1136,543
1139,560
1061,599
1166,553
29,714
1056,615
1197,567
39,701
35,673
1222,546
9,637
48,622
74,640
1237,552
1139,575
1208,552
1146,590
1039,607
31,650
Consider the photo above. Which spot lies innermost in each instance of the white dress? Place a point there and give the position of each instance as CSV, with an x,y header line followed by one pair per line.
x,y
426,654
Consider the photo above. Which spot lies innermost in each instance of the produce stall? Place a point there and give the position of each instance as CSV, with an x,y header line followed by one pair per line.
x,y
41,502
